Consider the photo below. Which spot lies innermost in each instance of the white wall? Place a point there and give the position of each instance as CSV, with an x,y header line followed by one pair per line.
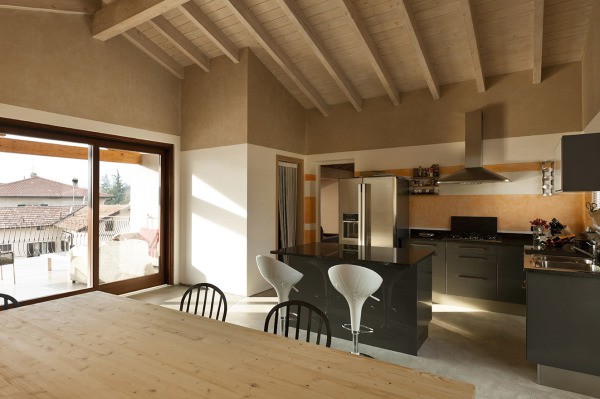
x,y
214,217
330,208
26,114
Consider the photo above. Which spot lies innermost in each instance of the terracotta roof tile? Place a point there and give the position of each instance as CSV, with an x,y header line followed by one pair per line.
x,y
39,187
78,221
33,215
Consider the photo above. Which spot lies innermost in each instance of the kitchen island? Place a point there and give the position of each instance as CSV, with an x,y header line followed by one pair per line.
x,y
400,319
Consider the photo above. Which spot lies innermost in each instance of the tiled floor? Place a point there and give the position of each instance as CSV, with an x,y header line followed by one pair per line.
x,y
484,348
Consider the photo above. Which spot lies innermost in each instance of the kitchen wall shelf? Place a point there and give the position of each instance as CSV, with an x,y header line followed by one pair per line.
x,y
425,181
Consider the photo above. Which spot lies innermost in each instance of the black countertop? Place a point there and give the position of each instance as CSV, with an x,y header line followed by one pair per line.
x,y
507,239
349,253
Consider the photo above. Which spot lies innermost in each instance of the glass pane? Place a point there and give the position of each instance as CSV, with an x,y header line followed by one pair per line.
x,y
129,215
43,217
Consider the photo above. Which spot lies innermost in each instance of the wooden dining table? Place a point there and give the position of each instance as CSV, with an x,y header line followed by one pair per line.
x,y
98,345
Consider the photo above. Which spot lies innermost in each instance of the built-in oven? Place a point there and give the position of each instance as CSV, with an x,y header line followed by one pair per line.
x,y
350,228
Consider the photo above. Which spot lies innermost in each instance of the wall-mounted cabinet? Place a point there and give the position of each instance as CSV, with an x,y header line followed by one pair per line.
x,y
577,164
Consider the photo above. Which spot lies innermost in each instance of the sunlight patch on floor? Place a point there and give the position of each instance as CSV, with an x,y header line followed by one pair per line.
x,y
437,308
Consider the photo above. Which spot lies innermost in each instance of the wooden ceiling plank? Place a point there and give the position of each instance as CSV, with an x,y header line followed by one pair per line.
x,y
361,32
81,7
538,40
261,35
15,146
210,30
179,40
422,56
155,52
294,13
473,44
122,15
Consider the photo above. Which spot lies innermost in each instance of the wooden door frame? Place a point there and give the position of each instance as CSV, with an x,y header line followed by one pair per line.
x,y
300,211
96,140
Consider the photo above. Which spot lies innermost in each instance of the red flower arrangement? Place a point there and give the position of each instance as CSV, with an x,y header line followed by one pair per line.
x,y
539,222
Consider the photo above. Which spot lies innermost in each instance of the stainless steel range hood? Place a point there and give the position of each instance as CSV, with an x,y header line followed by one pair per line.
x,y
474,172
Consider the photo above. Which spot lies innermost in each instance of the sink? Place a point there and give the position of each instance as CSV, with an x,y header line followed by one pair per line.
x,y
563,263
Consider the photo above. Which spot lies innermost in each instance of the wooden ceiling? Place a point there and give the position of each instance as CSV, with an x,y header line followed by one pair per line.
x,y
334,51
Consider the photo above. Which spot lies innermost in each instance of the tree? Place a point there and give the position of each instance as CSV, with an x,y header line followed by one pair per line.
x,y
116,188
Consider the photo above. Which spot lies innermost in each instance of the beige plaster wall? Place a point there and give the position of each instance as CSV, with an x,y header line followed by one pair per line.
x,y
512,105
591,70
214,108
51,63
275,117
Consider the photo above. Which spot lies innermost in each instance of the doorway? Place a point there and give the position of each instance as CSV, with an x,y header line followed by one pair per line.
x,y
290,197
329,199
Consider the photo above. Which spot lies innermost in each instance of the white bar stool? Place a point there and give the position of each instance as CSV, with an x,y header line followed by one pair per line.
x,y
281,276
356,284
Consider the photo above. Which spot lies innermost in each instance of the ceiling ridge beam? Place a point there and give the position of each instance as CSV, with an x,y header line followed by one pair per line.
x,y
78,7
538,39
473,40
360,30
292,10
210,30
417,42
180,41
155,52
252,24
122,15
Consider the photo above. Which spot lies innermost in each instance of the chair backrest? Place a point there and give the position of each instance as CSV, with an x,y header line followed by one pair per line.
x,y
307,317
212,302
281,276
356,284
7,302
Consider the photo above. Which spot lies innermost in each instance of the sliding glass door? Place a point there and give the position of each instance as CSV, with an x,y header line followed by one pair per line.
x,y
81,211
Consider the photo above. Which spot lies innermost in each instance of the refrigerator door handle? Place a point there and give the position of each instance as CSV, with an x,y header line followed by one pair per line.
x,y
363,214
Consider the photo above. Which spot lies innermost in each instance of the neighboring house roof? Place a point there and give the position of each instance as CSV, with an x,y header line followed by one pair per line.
x,y
33,215
36,186
78,221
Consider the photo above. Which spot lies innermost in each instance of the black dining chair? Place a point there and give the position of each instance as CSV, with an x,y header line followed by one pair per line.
x,y
8,302
209,296
305,316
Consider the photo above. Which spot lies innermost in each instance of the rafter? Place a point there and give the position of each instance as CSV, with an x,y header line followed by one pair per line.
x,y
473,44
257,30
122,15
179,40
359,28
86,7
155,52
417,42
290,7
210,30
538,39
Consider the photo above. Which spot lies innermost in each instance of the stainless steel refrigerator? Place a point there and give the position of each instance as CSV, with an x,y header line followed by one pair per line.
x,y
373,211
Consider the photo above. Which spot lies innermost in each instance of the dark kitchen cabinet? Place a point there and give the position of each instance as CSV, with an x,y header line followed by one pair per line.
x,y
471,270
439,262
577,167
511,276
562,321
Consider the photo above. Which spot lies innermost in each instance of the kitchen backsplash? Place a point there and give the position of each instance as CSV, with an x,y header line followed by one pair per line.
x,y
514,211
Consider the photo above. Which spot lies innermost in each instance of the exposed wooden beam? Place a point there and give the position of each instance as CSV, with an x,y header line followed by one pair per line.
x,y
179,40
122,15
65,151
210,30
257,30
361,32
473,44
417,42
538,39
85,7
294,13
155,52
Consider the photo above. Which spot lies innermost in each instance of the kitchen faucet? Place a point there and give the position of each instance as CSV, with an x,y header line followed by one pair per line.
x,y
594,253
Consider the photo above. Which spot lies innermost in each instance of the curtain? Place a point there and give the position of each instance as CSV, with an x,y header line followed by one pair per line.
x,y
287,203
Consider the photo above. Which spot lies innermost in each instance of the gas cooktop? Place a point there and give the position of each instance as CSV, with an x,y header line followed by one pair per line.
x,y
488,237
